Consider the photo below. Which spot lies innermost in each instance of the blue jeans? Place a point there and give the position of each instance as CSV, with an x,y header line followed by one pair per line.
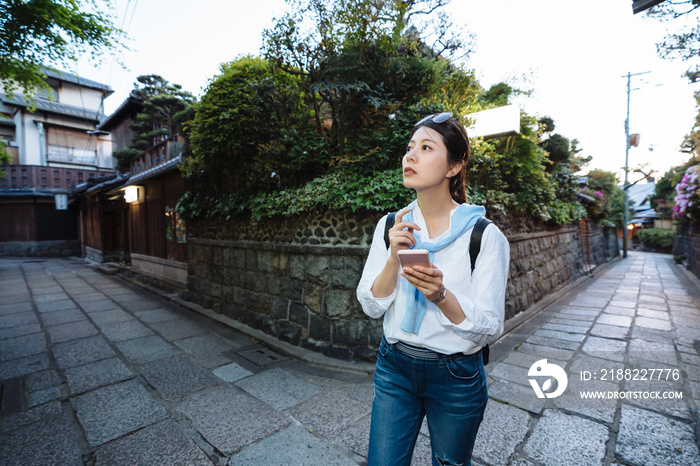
x,y
450,390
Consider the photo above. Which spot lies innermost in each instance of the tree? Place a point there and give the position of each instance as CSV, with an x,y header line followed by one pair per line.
x,y
613,208
157,121
39,34
684,44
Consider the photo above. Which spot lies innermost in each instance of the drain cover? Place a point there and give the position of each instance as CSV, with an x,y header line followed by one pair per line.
x,y
262,356
10,396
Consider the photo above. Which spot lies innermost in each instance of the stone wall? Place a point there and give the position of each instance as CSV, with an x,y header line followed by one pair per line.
x,y
57,248
296,278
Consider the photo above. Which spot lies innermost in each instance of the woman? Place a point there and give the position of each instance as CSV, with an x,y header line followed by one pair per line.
x,y
437,318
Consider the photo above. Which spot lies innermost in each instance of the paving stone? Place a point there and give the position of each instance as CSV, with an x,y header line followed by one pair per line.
x,y
14,308
650,438
123,331
653,314
162,444
41,380
109,317
356,438
610,319
207,348
503,428
610,331
230,419
552,342
582,312
62,317
526,360
21,347
293,445
99,305
546,351
279,388
330,413
653,351
76,353
50,441
90,376
509,372
560,439
652,323
146,349
565,328
44,396
52,306
173,330
18,319
565,319
178,376
516,394
24,366
586,300
156,315
71,331
139,305
573,337
624,303
231,372
650,334
116,410
605,348
687,358
620,311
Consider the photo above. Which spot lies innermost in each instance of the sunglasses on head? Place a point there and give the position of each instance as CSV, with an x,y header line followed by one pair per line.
x,y
435,118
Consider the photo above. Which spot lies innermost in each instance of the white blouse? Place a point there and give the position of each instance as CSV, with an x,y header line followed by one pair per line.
x,y
481,295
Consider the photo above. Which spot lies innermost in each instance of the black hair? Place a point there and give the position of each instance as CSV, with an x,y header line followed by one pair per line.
x,y
456,140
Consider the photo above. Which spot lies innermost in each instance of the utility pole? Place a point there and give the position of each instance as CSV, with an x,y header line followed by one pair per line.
x,y
627,169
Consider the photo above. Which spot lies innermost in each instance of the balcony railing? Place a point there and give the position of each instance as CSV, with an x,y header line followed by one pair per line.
x,y
156,155
36,176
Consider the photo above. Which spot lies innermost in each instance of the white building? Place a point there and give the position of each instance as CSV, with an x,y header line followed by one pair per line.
x,y
61,130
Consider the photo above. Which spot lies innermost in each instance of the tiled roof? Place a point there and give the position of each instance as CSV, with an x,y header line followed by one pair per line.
x,y
71,78
53,107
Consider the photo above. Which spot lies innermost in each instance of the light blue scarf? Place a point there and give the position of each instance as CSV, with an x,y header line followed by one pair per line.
x,y
464,217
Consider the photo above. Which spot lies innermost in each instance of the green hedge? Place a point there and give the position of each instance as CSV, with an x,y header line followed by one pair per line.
x,y
657,238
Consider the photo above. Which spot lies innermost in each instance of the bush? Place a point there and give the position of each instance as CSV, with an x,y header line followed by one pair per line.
x,y
657,238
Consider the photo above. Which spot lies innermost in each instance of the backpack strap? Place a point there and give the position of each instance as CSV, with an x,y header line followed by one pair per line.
x,y
389,223
475,240
474,248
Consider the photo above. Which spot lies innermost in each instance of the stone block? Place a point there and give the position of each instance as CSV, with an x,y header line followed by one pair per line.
x,y
350,332
176,377
297,266
299,314
279,389
312,297
319,328
345,272
289,332
291,289
318,269
502,429
231,419
265,262
337,303
560,438
90,376
161,444
114,411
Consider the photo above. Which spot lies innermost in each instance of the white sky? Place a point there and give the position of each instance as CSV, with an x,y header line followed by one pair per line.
x,y
572,54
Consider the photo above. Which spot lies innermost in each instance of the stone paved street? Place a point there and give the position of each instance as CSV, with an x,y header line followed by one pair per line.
x,y
96,370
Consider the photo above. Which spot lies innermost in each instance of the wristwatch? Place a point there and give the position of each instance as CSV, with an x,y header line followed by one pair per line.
x,y
441,296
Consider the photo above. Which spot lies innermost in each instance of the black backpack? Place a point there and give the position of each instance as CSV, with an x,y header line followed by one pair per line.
x,y
474,248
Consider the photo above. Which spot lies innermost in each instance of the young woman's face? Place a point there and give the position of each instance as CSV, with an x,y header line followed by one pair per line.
x,y
425,164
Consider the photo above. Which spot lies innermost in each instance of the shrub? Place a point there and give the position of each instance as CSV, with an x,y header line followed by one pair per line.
x,y
657,238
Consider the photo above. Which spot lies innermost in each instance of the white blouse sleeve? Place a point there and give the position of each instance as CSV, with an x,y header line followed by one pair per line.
x,y
378,255
484,303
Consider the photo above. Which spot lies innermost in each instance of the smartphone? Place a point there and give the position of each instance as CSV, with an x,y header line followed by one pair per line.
x,y
411,257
